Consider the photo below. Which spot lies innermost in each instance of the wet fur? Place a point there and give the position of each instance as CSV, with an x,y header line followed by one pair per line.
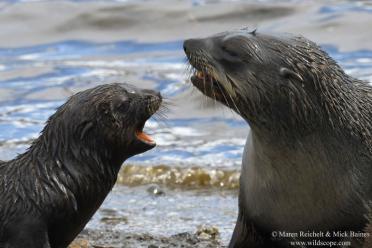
x,y
307,163
50,192
368,229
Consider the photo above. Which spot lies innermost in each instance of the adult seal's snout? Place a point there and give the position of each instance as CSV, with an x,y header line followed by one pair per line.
x,y
194,45
189,45
307,163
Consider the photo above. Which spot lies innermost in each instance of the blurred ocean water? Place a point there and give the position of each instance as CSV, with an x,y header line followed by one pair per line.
x,y
197,159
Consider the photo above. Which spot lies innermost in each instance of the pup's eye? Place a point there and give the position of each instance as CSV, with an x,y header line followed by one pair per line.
x,y
124,106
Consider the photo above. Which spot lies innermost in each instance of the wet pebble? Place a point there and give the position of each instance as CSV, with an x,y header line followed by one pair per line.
x,y
155,190
208,233
79,243
114,220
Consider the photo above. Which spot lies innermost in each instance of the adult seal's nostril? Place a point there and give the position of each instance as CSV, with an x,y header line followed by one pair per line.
x,y
186,46
192,45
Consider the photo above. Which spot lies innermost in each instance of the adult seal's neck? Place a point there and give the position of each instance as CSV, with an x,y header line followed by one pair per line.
x,y
332,107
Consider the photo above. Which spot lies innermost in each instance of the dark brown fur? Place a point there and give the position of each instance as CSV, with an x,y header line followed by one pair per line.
x,y
50,192
368,230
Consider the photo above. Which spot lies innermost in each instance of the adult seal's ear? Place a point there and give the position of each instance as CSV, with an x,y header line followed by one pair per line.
x,y
287,73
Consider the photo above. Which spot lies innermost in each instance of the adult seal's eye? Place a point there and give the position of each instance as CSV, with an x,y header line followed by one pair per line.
x,y
229,51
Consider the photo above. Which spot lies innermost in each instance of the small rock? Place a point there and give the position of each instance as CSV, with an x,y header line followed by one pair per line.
x,y
207,233
155,190
79,243
114,220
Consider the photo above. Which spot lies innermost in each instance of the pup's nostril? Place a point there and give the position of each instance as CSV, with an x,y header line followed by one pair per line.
x,y
158,95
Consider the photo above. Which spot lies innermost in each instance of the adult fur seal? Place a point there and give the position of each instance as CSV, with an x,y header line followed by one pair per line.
x,y
307,163
368,229
49,193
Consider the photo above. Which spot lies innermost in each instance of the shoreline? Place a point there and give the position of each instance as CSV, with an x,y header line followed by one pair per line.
x,y
206,237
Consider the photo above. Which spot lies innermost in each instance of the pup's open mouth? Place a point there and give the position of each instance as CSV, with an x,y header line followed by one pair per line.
x,y
152,107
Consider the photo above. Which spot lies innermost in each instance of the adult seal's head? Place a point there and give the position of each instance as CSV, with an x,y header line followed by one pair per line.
x,y
273,81
49,193
307,163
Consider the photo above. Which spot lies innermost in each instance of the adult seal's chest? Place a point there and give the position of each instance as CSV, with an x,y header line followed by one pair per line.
x,y
297,187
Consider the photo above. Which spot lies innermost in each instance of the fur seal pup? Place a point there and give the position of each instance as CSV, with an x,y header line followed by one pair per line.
x,y
307,163
49,193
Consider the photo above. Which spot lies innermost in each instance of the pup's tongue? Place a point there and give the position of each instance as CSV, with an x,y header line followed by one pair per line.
x,y
144,137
